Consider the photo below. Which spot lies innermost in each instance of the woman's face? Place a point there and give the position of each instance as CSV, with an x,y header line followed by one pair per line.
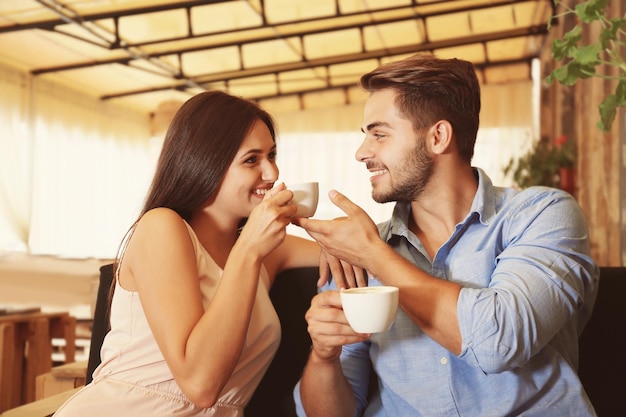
x,y
250,175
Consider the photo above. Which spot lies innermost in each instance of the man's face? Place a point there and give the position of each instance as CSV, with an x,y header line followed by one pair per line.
x,y
393,152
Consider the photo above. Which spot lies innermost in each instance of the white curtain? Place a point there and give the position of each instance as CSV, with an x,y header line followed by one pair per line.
x,y
15,162
74,170
328,157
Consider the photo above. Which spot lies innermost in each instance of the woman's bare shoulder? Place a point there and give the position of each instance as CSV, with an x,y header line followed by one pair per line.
x,y
161,229
160,240
160,214
161,220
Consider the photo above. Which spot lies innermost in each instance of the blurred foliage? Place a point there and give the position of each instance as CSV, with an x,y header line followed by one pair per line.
x,y
542,163
580,60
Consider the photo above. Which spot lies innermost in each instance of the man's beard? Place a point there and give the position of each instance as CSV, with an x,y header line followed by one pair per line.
x,y
413,174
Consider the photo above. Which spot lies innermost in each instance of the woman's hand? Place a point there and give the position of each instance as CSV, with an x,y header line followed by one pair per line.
x,y
265,229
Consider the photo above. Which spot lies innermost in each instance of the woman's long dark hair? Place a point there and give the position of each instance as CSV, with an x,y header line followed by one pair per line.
x,y
200,144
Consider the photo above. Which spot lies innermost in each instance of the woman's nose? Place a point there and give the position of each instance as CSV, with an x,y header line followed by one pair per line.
x,y
270,171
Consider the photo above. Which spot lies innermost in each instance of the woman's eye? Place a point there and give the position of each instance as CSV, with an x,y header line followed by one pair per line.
x,y
250,160
272,155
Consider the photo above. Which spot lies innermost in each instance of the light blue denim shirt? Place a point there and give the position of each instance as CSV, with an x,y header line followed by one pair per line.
x,y
529,285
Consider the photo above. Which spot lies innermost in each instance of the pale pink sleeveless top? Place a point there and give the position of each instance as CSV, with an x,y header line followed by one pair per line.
x,y
133,367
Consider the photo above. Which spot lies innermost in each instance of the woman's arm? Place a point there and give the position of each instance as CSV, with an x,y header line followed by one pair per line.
x,y
297,252
293,252
201,347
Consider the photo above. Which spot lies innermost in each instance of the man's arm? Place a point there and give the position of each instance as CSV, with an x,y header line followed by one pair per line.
x,y
429,301
324,390
542,278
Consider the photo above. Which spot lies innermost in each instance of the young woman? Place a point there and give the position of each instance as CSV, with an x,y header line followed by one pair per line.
x,y
192,325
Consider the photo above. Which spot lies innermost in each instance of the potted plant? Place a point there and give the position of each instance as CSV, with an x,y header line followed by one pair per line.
x,y
549,163
565,154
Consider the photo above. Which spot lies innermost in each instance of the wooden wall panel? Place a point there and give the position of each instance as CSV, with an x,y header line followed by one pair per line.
x,y
573,111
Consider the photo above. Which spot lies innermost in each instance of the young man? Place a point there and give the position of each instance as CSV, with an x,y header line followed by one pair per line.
x,y
496,284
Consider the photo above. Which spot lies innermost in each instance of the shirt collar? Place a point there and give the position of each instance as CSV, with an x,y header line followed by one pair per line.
x,y
484,203
483,206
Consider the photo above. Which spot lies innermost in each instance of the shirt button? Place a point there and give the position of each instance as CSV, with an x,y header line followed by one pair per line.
x,y
443,361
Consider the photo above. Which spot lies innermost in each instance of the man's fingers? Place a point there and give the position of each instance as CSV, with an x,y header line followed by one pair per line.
x,y
361,277
312,226
330,298
328,326
323,279
348,274
338,273
344,203
324,270
353,276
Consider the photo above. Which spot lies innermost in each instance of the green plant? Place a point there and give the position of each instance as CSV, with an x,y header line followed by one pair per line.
x,y
582,59
542,164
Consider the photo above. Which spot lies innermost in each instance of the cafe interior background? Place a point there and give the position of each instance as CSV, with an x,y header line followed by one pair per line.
x,y
87,89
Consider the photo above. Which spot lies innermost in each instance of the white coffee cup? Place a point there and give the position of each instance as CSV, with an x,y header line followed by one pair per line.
x,y
305,196
370,309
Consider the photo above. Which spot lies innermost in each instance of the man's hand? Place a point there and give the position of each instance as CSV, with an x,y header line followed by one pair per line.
x,y
344,274
351,239
328,326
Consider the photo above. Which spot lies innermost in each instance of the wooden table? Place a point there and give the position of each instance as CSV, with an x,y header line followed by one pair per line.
x,y
60,379
42,408
26,351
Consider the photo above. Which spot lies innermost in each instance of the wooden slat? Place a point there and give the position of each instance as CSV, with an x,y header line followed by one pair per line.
x,y
7,352
26,352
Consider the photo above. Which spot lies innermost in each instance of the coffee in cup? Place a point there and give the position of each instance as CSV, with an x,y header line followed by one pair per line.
x,y
370,309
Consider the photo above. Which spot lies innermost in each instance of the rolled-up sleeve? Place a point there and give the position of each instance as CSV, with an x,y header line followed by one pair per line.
x,y
542,282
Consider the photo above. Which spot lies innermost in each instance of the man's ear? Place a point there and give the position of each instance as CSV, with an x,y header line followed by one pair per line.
x,y
442,137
